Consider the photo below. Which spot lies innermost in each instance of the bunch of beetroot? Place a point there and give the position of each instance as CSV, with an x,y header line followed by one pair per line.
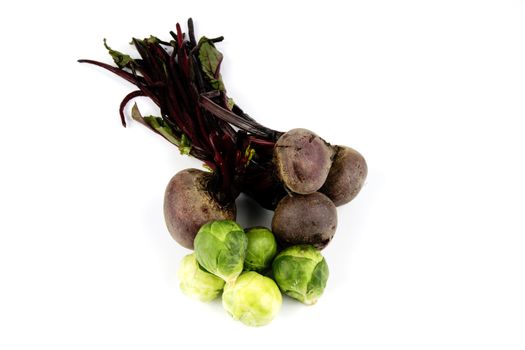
x,y
296,173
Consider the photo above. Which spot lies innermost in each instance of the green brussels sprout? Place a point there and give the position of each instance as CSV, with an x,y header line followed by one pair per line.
x,y
252,298
220,247
261,249
197,283
301,272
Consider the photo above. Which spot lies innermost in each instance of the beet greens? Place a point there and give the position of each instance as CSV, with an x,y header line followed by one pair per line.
x,y
182,77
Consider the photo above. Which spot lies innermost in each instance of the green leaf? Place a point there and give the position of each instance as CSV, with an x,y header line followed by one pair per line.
x,y
162,128
185,145
158,125
152,40
120,59
210,59
137,116
248,154
205,166
230,103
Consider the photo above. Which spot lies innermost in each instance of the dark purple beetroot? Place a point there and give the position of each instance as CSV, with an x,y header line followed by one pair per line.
x,y
305,219
302,160
188,205
346,177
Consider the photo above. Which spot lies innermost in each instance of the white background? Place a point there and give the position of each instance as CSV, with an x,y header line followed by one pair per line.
x,y
431,255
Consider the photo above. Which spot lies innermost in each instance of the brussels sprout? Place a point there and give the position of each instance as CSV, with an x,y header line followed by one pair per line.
x,y
252,298
301,272
261,249
220,247
197,283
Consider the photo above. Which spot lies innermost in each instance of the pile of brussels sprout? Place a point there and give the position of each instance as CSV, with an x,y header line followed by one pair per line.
x,y
246,267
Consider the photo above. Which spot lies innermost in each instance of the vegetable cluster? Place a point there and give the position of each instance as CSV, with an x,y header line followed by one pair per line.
x,y
225,258
296,173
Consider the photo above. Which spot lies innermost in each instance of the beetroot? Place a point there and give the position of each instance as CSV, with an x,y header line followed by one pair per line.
x,y
305,219
302,160
188,204
347,176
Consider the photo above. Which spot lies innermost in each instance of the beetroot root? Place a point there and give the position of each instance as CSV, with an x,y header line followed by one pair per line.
x,y
303,160
188,205
346,177
305,219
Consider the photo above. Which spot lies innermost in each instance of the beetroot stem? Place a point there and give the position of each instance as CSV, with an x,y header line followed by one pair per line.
x,y
182,78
